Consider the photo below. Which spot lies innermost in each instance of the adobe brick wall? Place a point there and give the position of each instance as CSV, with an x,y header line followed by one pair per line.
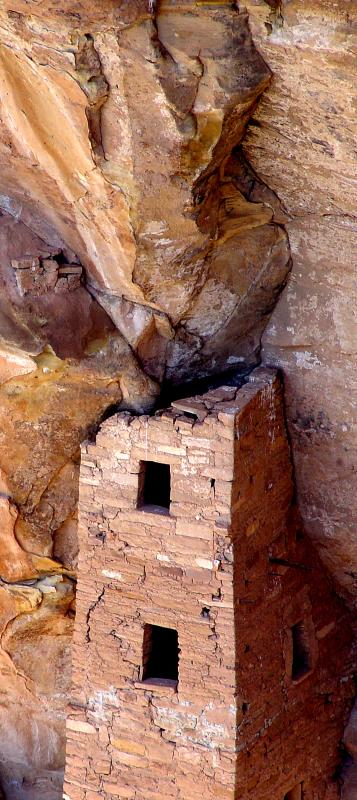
x,y
229,569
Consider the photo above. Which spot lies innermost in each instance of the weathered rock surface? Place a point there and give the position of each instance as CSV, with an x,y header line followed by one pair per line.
x,y
127,159
142,244
35,661
302,142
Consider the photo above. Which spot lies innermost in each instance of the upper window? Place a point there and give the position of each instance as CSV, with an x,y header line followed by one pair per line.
x,y
154,487
301,661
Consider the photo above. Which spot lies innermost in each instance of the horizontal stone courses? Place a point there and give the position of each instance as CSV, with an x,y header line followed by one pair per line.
x,y
153,437
122,478
109,493
91,481
176,570
194,529
163,522
201,443
195,511
149,454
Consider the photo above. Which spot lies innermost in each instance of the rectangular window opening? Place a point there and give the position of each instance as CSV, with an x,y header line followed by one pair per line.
x,y
160,655
154,487
295,793
301,663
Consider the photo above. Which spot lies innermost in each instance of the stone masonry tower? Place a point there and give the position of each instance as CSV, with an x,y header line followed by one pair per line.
x,y
209,645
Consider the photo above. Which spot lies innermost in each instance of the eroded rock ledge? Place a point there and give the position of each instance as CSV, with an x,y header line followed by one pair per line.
x,y
130,158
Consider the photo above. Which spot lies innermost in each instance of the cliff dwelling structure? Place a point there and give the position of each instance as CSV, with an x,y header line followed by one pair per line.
x,y
177,210
211,657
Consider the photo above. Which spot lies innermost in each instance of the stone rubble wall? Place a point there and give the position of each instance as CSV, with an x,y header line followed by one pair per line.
x,y
229,569
36,276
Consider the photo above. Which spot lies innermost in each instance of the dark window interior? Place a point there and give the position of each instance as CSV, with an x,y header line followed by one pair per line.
x,y
295,793
154,485
301,655
160,653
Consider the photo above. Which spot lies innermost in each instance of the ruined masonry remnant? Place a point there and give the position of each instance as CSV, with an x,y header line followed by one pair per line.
x,y
38,275
211,656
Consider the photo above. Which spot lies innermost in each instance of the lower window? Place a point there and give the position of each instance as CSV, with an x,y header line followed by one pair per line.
x,y
160,654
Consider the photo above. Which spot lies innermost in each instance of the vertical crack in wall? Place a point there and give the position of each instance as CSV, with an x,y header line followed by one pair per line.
x,y
92,608
96,87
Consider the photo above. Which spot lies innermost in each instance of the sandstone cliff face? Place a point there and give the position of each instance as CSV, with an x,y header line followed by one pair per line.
x,y
120,139
302,141
142,244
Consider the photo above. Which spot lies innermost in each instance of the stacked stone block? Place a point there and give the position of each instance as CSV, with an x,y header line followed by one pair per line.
x,y
227,567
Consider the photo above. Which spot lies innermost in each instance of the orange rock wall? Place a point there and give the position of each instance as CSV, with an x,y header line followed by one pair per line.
x,y
228,568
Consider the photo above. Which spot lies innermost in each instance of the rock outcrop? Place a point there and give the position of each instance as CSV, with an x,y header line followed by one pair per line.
x,y
301,140
131,158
